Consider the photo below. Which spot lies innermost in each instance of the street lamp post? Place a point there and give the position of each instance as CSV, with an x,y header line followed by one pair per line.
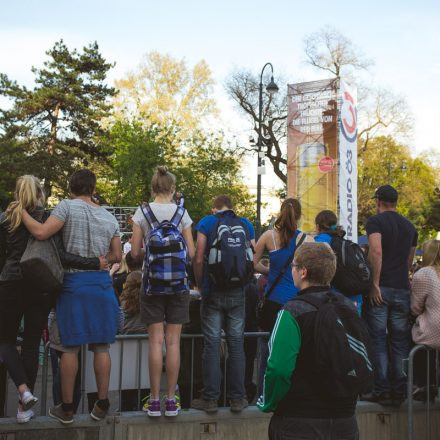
x,y
271,88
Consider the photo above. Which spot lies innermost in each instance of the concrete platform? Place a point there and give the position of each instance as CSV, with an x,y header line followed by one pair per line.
x,y
375,423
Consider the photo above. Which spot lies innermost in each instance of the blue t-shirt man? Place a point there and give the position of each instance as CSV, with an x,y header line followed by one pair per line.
x,y
219,310
207,225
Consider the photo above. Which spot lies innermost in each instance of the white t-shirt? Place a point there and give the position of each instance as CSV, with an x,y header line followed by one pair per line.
x,y
162,211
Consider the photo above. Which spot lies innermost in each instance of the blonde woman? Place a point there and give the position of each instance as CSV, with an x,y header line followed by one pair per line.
x,y
156,309
20,299
425,305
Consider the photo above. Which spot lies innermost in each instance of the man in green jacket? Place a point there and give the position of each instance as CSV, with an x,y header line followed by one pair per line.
x,y
302,409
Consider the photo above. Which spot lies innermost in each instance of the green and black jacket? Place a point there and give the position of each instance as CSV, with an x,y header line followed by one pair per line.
x,y
290,383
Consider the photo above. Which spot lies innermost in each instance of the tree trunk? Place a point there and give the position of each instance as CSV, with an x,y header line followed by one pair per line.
x,y
53,129
51,144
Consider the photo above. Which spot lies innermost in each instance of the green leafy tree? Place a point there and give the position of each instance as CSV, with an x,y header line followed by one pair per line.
x,y
208,168
138,149
58,122
388,162
204,166
167,91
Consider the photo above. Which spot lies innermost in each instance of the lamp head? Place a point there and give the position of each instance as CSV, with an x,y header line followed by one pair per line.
x,y
272,88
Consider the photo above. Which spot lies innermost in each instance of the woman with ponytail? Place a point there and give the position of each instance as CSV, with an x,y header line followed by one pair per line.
x,y
281,243
326,228
160,308
19,299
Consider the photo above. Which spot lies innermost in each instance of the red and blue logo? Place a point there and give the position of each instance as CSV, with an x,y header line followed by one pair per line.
x,y
348,117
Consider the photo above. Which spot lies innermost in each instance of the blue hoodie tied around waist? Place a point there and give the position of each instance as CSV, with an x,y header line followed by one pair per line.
x,y
87,310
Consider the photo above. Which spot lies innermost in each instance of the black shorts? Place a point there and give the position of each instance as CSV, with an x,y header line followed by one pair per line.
x,y
173,309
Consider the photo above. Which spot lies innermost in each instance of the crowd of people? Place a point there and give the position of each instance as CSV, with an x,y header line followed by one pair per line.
x,y
324,300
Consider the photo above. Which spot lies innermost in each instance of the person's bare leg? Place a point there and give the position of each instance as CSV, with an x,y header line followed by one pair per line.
x,y
155,357
68,370
172,363
102,366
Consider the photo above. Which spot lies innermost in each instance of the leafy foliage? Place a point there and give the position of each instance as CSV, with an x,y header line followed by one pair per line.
x,y
58,122
167,91
414,178
204,167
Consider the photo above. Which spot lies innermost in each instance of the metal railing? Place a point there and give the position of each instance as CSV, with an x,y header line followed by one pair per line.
x,y
122,215
431,355
140,338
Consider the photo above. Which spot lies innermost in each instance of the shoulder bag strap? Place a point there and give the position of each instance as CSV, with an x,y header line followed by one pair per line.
x,y
149,215
286,265
178,216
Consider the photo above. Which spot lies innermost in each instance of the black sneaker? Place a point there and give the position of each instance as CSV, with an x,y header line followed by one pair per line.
x,y
238,405
207,405
57,412
98,413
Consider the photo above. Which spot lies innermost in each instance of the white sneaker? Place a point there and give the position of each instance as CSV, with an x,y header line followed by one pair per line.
x,y
24,416
28,400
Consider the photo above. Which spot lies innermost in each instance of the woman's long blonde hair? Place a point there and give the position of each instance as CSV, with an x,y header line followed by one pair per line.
x,y
431,254
28,195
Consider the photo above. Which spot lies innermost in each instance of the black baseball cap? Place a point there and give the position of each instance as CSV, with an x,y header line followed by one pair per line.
x,y
386,193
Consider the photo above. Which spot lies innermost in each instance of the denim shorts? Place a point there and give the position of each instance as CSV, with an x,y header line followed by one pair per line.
x,y
173,309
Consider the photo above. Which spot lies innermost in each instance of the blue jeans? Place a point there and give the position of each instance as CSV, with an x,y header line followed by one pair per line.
x,y
223,310
390,333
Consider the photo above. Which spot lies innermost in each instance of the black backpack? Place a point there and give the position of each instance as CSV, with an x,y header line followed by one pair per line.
x,y
353,272
230,254
342,347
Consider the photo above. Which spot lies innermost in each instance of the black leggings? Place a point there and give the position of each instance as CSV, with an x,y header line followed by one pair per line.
x,y
17,300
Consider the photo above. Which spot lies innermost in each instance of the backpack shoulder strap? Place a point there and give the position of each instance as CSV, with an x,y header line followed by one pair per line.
x,y
178,216
245,228
149,215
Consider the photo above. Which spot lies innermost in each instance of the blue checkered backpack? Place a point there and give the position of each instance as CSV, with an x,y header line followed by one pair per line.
x,y
166,255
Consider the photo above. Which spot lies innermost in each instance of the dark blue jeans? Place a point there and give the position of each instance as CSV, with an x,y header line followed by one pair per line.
x,y
223,310
390,333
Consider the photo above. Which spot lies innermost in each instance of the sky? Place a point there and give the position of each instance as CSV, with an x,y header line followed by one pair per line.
x,y
401,37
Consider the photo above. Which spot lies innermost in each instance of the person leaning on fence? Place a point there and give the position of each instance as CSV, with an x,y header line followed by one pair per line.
x,y
86,311
425,305
303,384
21,297
164,299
